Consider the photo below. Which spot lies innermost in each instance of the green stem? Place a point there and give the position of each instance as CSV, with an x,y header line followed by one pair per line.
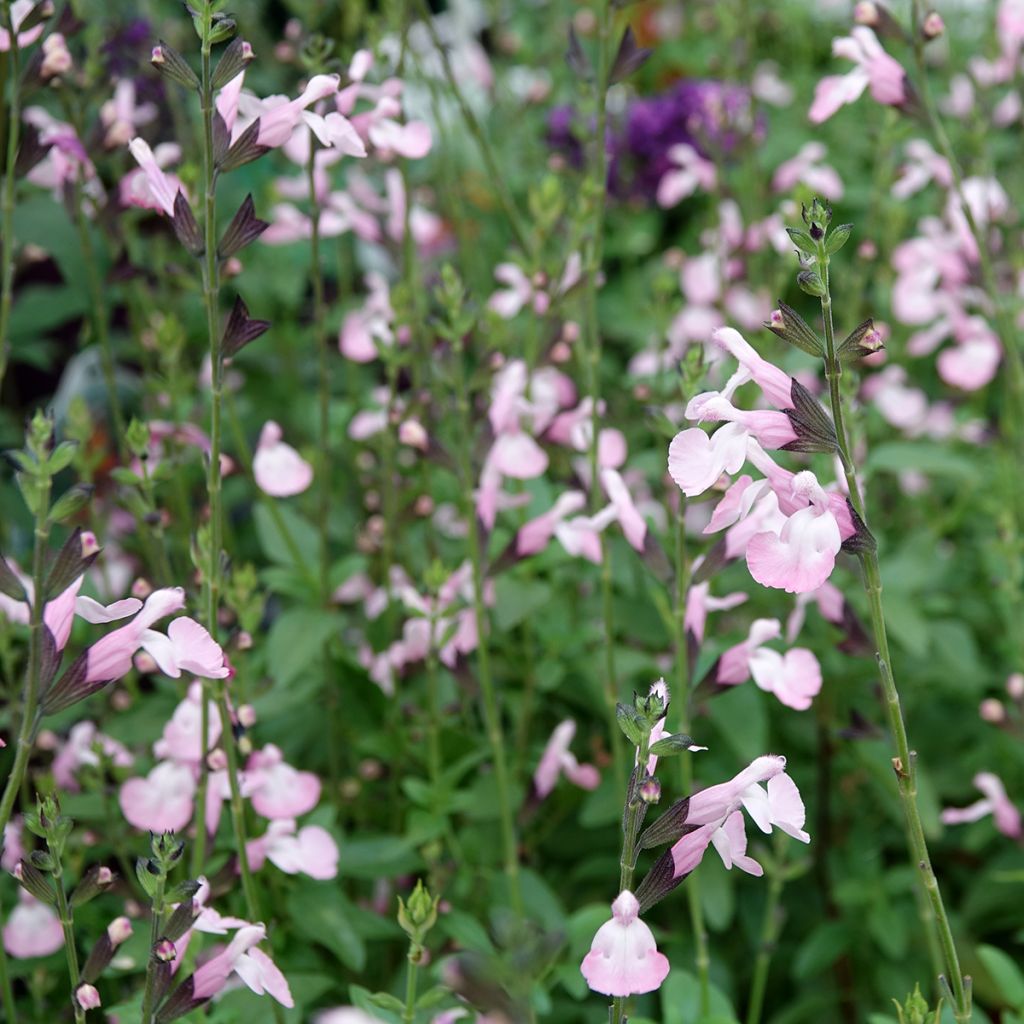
x,y
7,210
770,927
66,925
211,288
492,713
904,762
252,903
7,993
630,851
156,927
409,1013
681,699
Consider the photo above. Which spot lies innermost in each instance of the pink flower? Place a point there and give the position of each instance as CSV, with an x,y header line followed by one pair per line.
x,y
996,803
161,188
691,171
162,801
411,140
19,11
121,116
252,965
87,997
806,168
716,812
32,929
699,602
535,535
188,647
278,468
80,751
772,429
278,789
874,68
626,512
182,736
310,851
803,554
557,760
831,604
623,958
365,331
794,677
696,461
278,115
776,384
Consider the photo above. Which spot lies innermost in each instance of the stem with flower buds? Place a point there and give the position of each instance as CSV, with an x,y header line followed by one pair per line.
x,y
7,209
66,924
627,859
904,763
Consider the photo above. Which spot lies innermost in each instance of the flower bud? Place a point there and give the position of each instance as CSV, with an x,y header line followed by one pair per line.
x,y
164,951
419,915
56,57
119,930
866,13
246,716
933,25
87,997
1015,685
650,790
992,711
413,433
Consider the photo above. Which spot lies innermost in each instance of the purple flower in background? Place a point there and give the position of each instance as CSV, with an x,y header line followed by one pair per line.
x,y
712,116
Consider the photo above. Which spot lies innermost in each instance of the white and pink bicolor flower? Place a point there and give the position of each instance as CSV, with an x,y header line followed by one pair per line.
x,y
995,802
624,958
277,467
557,760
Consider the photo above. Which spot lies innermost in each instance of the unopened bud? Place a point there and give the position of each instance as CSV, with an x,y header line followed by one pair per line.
x,y
866,13
992,711
650,790
419,915
164,951
89,543
217,760
87,997
424,505
142,588
246,716
570,332
1015,686
414,434
119,930
56,57
933,26
244,641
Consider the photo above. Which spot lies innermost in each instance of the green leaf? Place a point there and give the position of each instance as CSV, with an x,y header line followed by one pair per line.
x,y
822,947
296,640
1005,973
517,600
924,457
322,914
284,534
680,1002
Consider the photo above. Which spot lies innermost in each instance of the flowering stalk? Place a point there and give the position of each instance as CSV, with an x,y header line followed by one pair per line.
x,y
415,918
7,209
67,926
635,808
904,763
770,926
166,852
38,485
682,691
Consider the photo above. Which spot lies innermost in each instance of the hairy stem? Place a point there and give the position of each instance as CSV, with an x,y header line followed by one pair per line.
x,y
156,927
67,927
904,762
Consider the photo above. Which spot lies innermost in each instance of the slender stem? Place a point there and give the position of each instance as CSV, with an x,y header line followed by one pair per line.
x,y
409,1013
30,713
770,927
681,699
627,859
156,928
252,903
64,912
211,287
434,756
492,713
904,762
7,210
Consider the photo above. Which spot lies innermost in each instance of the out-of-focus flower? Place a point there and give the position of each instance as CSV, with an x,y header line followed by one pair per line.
x,y
995,802
874,68
557,760
278,468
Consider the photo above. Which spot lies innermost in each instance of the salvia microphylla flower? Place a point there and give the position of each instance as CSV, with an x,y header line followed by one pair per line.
x,y
699,601
874,69
121,115
279,790
794,677
66,160
87,997
624,958
149,186
241,957
689,172
19,11
364,331
807,168
557,760
716,811
309,851
162,801
32,929
995,802
278,468
80,750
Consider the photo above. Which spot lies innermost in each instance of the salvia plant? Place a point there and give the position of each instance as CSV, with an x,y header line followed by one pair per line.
x,y
511,512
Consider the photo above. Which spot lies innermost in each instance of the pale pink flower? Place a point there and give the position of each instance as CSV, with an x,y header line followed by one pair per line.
x,y
11,845
121,116
278,789
280,116
803,554
182,735
696,461
772,429
310,851
922,166
252,965
534,535
623,958
80,751
699,602
628,515
87,997
716,812
32,929
995,802
807,168
160,189
874,68
20,10
349,1015
162,801
794,677
278,468
57,58
690,171
557,760
831,604
366,330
